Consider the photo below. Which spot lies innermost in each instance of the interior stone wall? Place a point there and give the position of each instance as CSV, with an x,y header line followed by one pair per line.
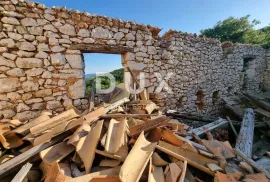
x,y
42,66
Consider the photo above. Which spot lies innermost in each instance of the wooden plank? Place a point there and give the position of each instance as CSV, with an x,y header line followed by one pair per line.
x,y
18,160
55,174
244,141
65,116
149,125
128,115
156,175
173,173
262,112
171,138
24,129
113,156
22,173
158,161
199,131
85,178
82,131
109,163
107,49
196,145
214,167
115,135
195,157
220,177
190,162
183,167
256,101
56,153
87,145
231,124
253,164
133,166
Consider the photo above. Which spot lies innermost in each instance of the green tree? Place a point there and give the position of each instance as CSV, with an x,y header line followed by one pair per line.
x,y
240,30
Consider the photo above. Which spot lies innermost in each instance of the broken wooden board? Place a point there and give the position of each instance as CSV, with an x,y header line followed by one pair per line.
x,y
259,177
252,163
173,172
246,167
82,131
244,141
262,112
55,174
149,125
9,165
158,161
190,162
105,178
24,129
195,157
170,137
214,167
213,144
22,173
265,162
133,166
87,145
109,163
220,177
199,131
196,145
115,135
51,123
109,172
183,167
113,156
156,174
10,140
56,153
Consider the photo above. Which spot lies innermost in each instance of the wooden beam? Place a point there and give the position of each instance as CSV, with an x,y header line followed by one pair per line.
x,y
199,131
244,141
22,173
128,115
107,49
233,128
252,163
6,167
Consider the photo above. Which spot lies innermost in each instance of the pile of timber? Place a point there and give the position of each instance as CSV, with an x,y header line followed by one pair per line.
x,y
126,141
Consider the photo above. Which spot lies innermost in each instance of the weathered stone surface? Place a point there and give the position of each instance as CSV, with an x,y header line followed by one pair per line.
x,y
75,61
100,33
49,17
152,50
29,86
130,36
35,71
35,100
24,54
10,56
38,106
7,43
3,49
35,30
65,74
88,40
10,20
42,55
50,28
22,30
8,114
9,84
47,74
13,14
22,107
26,46
44,47
58,49
118,35
76,90
16,72
68,30
26,115
13,96
15,36
26,96
29,63
5,105
5,62
43,93
29,22
58,59
29,37
84,33
53,105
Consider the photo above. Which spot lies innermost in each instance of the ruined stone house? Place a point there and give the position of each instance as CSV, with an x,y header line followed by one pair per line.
x,y
42,65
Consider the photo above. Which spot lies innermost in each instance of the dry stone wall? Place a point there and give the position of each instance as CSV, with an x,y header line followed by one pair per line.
x,y
42,66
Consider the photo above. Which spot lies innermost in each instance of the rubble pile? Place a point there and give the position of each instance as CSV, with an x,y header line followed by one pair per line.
x,y
126,141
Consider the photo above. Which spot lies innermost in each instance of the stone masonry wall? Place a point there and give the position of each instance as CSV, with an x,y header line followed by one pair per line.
x,y
42,66
266,83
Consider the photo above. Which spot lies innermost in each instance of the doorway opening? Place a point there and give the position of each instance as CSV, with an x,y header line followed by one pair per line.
x,y
247,71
